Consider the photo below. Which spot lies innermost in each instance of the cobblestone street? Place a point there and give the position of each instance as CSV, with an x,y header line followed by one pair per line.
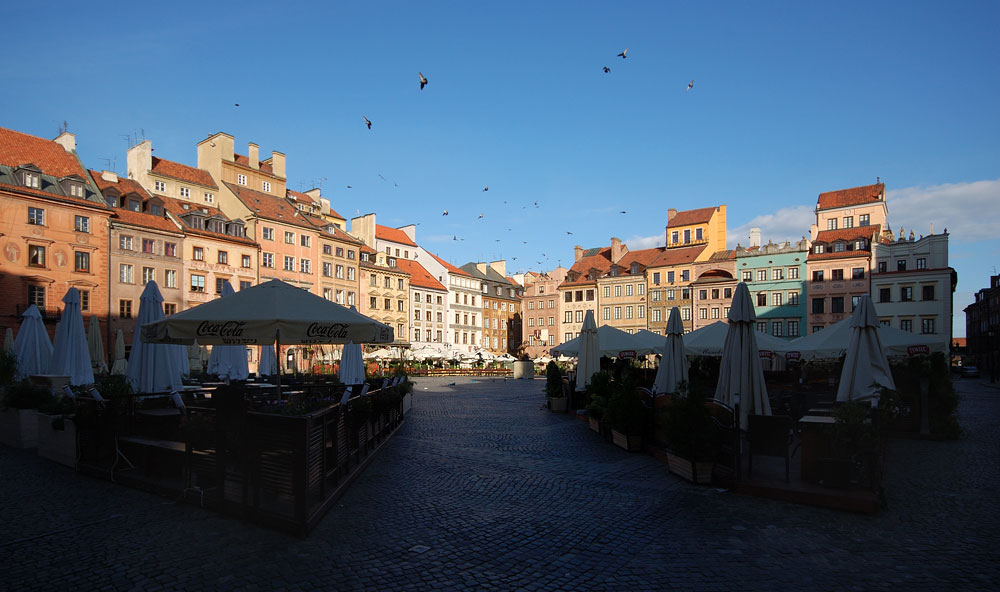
x,y
483,490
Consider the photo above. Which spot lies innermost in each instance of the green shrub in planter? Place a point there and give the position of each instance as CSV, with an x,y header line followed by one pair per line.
x,y
598,395
626,413
8,367
553,381
24,395
688,428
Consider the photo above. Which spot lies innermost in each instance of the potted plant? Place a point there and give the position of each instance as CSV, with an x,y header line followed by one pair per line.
x,y
57,430
18,414
598,395
554,390
627,416
691,436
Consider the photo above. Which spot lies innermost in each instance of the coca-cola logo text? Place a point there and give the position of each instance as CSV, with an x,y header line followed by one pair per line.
x,y
332,331
221,329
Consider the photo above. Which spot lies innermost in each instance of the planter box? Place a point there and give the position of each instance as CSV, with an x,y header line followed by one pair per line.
x,y
558,404
594,424
57,445
524,369
630,443
695,472
19,428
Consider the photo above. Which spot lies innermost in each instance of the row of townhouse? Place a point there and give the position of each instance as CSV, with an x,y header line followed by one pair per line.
x,y
796,288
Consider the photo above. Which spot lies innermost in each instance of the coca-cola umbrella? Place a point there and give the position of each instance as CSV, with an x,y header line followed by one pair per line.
x,y
272,312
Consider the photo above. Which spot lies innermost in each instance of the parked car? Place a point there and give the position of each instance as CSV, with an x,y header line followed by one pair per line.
x,y
970,372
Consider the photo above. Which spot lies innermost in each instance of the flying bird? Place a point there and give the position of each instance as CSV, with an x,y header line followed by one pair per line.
x,y
395,184
381,177
349,187
236,104
423,81
480,217
568,232
690,85
445,213
622,212
454,238
607,69
367,122
623,54
487,188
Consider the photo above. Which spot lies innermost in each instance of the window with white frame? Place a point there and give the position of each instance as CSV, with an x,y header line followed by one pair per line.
x,y
266,186
159,186
36,216
241,179
209,198
267,233
125,272
185,192
170,278
305,266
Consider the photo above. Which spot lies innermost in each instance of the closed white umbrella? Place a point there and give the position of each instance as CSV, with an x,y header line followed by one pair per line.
x,y
866,367
95,345
32,347
589,354
268,364
673,363
120,365
70,353
740,373
228,361
8,340
352,367
151,366
194,356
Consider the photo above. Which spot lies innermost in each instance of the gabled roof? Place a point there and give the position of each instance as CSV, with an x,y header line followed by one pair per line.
x,y
854,196
643,257
688,217
596,259
124,185
490,274
419,277
393,235
273,208
263,165
848,234
339,234
724,255
301,197
451,268
678,256
17,148
182,172
176,207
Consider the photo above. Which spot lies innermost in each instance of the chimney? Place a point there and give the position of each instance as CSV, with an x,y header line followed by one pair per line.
x,y
499,267
618,250
109,176
577,253
755,237
363,229
481,268
67,141
410,230
139,161
670,215
278,164
314,193
253,152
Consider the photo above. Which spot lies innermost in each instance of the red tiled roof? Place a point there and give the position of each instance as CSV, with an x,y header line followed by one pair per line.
x,y
264,167
176,207
851,197
146,220
723,256
302,197
838,255
419,277
182,172
451,268
688,217
643,257
848,234
678,256
394,235
340,234
124,185
367,249
272,208
17,148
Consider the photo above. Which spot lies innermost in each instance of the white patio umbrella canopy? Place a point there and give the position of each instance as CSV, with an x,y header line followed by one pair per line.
x,y
611,342
866,367
120,365
673,363
589,355
152,366
268,364
95,345
740,372
70,352
267,313
228,361
711,341
833,341
32,346
352,367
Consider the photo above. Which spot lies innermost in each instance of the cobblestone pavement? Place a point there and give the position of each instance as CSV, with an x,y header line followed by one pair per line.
x,y
483,490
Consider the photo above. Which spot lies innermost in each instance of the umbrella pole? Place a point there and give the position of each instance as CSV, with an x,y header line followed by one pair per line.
x,y
277,351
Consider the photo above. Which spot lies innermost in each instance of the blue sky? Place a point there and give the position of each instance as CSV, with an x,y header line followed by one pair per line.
x,y
789,100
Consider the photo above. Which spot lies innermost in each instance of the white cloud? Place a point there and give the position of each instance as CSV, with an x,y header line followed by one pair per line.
x,y
970,211
637,243
787,224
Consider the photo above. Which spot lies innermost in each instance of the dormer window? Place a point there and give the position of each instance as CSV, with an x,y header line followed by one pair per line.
x,y
111,198
30,175
634,269
819,249
614,271
76,190
134,205
156,210
392,262
31,180
838,247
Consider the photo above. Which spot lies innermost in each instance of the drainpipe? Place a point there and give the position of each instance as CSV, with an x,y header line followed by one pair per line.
x,y
108,345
